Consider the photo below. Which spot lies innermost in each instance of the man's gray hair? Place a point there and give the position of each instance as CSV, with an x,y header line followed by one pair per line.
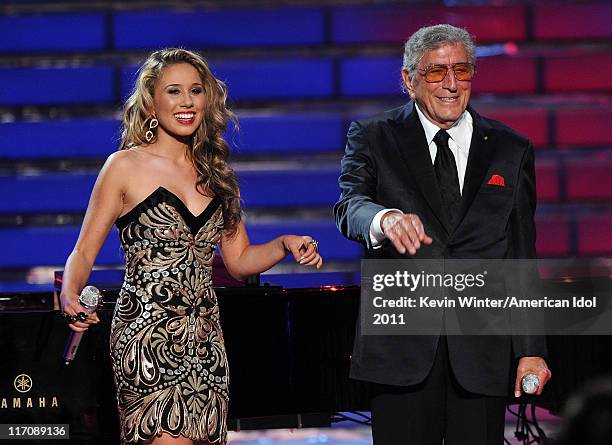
x,y
433,37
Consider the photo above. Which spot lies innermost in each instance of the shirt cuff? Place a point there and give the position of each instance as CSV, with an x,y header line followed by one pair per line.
x,y
376,233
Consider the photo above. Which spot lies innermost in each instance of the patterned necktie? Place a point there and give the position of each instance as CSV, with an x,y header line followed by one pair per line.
x,y
448,179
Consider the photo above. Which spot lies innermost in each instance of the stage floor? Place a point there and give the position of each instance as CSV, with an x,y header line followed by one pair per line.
x,y
352,434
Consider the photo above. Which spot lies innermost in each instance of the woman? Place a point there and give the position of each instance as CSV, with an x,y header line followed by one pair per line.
x,y
173,198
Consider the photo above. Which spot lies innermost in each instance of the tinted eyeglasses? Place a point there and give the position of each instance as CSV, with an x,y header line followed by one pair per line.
x,y
437,73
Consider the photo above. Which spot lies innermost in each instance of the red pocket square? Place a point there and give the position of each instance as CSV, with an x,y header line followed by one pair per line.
x,y
497,180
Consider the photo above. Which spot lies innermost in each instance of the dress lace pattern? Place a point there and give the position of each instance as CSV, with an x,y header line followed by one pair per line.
x,y
166,346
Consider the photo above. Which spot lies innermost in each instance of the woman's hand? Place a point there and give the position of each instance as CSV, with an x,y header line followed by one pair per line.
x,y
75,315
243,259
304,249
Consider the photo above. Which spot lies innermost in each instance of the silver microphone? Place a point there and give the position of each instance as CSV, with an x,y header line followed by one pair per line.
x,y
530,383
90,299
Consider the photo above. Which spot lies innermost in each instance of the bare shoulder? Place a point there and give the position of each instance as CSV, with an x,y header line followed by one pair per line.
x,y
122,160
115,173
123,165
132,171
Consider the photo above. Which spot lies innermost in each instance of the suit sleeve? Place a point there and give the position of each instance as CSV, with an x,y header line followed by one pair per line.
x,y
356,207
522,233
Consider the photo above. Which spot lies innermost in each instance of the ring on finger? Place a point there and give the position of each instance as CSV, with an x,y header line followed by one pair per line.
x,y
315,244
82,316
69,318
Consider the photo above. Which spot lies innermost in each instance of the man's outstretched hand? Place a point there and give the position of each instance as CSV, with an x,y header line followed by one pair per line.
x,y
405,231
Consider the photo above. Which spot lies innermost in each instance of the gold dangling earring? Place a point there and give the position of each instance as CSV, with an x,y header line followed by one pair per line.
x,y
153,123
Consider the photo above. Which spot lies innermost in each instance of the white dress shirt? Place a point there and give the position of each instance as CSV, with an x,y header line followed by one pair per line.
x,y
459,143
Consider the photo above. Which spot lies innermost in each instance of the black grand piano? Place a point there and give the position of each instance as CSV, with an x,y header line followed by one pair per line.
x,y
288,351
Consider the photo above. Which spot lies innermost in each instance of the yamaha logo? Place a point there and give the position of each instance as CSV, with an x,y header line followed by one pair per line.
x,y
23,383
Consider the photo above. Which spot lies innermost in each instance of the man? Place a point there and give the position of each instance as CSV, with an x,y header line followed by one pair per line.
x,y
434,179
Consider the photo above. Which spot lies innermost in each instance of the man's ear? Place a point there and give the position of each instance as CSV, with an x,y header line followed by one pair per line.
x,y
407,83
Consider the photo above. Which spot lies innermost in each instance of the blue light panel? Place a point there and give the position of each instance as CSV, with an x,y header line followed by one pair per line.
x,y
218,28
45,86
52,32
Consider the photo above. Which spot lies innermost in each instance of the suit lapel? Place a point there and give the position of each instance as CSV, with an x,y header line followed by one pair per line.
x,y
412,143
478,162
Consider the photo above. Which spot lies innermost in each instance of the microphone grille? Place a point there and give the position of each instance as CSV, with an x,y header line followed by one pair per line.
x,y
90,298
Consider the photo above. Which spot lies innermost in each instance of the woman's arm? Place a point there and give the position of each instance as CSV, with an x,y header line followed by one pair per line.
x,y
243,259
105,205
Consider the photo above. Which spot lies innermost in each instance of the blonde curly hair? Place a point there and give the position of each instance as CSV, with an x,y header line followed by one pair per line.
x,y
208,149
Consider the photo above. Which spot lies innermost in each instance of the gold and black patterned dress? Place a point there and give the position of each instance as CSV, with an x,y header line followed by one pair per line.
x,y
166,343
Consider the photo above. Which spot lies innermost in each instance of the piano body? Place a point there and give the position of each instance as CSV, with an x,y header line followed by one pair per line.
x,y
288,352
